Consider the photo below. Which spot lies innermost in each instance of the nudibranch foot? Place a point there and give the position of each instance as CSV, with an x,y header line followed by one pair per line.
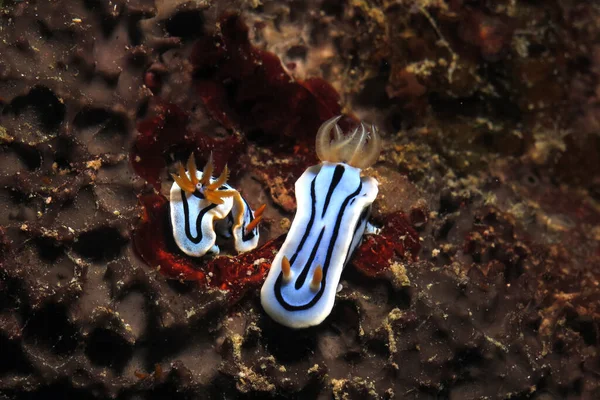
x,y
202,206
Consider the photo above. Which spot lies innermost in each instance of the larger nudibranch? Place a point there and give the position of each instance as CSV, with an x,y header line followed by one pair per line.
x,y
334,203
199,207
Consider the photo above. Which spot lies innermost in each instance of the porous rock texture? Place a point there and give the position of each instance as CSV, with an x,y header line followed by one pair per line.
x,y
482,284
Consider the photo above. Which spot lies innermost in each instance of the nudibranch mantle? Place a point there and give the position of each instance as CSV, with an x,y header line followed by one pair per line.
x,y
334,203
202,208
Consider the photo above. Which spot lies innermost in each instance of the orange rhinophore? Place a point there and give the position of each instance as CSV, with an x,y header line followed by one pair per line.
x,y
286,269
315,283
258,214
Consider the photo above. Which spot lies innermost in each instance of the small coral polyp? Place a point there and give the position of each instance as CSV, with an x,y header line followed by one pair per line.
x,y
334,203
203,207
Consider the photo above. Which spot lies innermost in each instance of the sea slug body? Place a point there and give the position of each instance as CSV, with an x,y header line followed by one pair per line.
x,y
203,207
334,203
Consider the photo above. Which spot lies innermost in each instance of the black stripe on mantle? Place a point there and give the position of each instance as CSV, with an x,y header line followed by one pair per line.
x,y
201,214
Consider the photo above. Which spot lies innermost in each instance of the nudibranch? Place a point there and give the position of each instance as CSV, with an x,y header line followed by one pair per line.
x,y
203,207
334,203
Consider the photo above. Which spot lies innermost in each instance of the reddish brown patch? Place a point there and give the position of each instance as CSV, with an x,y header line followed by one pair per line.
x,y
153,242
490,33
167,132
244,271
156,136
150,241
404,84
152,81
246,87
397,239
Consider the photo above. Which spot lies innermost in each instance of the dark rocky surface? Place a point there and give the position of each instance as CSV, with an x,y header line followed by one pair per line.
x,y
482,284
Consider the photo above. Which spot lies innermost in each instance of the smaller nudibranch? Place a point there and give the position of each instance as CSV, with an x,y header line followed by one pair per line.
x,y
334,203
202,207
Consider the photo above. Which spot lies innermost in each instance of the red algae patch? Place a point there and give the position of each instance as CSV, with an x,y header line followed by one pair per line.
x,y
167,132
491,34
396,239
156,135
154,244
247,88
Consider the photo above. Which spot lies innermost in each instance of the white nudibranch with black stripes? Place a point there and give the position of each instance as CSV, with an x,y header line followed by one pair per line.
x,y
203,207
333,205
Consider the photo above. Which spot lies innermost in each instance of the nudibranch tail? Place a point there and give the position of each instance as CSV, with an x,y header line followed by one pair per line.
x,y
360,149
